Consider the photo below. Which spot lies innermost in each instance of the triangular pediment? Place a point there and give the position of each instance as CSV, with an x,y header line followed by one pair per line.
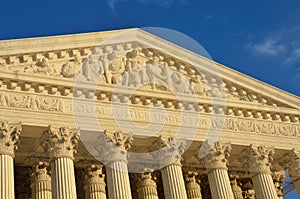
x,y
134,58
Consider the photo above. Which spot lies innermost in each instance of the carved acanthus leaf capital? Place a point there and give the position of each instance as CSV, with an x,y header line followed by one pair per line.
x,y
215,155
145,179
40,172
119,139
61,141
257,159
9,138
191,180
278,179
291,161
168,150
94,175
112,146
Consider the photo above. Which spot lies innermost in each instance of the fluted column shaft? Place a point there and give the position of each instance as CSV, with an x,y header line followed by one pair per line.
x,y
264,186
278,179
238,195
291,161
236,189
9,140
112,149
94,183
193,194
6,177
61,143
168,153
118,180
145,185
173,182
257,161
63,179
297,186
193,189
219,184
41,183
41,190
148,193
215,156
95,191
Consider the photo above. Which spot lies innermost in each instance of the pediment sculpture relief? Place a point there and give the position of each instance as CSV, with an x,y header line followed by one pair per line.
x,y
132,67
135,69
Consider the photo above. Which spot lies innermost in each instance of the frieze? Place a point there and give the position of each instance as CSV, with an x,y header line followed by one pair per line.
x,y
235,124
204,121
30,102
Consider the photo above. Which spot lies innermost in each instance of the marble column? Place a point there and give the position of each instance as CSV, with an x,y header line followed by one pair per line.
x,y
297,186
257,161
215,157
112,149
236,189
9,140
250,194
41,182
192,187
146,185
278,179
94,183
61,144
291,162
169,154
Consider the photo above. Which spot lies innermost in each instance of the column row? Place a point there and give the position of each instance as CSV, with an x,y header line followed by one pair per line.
x,y
60,143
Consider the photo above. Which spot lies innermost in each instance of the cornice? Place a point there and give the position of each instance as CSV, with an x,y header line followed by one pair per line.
x,y
63,88
54,43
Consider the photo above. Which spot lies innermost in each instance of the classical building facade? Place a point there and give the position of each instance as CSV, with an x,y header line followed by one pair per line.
x,y
124,114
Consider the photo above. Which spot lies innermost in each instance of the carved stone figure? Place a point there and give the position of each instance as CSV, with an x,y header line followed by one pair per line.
x,y
3,100
179,83
166,77
93,68
134,60
117,68
71,68
138,77
42,66
154,74
216,91
3,65
198,86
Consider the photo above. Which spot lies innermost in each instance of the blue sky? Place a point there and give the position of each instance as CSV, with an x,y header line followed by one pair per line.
x,y
258,38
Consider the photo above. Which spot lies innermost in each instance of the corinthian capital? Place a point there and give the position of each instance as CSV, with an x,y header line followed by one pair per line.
x,y
257,159
145,179
40,172
168,150
61,141
191,180
112,146
119,139
9,138
94,175
291,161
215,155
